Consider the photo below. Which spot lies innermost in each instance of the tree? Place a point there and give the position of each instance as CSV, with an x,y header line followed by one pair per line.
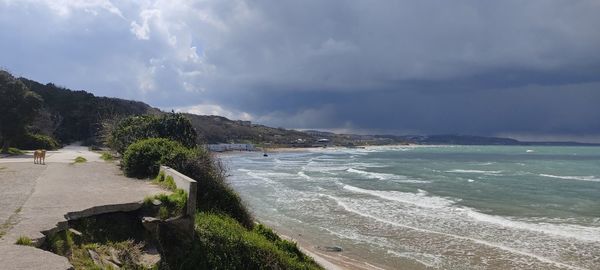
x,y
18,108
173,126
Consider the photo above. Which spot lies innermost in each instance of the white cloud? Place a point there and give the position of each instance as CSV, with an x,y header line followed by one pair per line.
x,y
214,109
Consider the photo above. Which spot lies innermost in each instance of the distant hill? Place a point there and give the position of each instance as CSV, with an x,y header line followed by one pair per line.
x,y
217,129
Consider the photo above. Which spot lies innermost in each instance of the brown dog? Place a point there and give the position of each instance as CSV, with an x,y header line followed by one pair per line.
x,y
39,156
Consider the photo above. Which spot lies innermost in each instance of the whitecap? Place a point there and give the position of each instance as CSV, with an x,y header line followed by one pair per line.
x,y
420,199
475,171
567,177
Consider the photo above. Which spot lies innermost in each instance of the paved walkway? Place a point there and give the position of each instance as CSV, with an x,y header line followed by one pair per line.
x,y
36,198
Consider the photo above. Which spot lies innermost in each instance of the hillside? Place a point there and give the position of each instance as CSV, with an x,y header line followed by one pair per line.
x,y
71,115
218,129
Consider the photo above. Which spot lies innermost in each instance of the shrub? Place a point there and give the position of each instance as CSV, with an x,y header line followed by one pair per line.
x,y
222,243
172,126
37,141
143,158
15,151
213,192
24,241
107,156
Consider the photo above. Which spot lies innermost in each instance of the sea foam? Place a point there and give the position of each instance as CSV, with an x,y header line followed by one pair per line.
x,y
567,177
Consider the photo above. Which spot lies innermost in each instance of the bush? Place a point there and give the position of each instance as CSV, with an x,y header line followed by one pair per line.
x,y
15,152
37,141
172,126
213,192
221,243
107,156
143,158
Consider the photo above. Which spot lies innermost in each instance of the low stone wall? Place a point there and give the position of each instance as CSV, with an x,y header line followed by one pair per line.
x,y
189,185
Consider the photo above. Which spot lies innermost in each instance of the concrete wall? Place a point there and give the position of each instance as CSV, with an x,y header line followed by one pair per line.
x,y
189,185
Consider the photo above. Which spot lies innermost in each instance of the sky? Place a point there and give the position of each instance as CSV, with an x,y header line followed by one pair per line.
x,y
522,69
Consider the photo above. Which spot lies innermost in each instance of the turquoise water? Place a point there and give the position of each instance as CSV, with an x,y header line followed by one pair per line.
x,y
444,207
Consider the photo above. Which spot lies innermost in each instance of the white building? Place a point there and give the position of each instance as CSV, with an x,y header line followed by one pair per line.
x,y
222,147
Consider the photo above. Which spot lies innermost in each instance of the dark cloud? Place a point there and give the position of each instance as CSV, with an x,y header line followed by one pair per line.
x,y
473,67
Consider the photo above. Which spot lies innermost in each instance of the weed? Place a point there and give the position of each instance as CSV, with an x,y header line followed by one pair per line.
x,y
24,241
80,160
107,156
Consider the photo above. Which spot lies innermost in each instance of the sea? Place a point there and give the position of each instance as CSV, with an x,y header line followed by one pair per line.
x,y
432,207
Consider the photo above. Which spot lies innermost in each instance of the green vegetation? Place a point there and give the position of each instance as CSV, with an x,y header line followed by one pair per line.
x,y
78,115
18,108
171,126
166,182
37,141
143,158
80,160
171,205
107,241
107,156
14,151
24,241
221,243
60,243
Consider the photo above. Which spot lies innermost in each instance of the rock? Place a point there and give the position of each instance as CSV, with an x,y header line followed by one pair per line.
x,y
151,223
114,257
333,249
95,257
75,232
101,261
156,202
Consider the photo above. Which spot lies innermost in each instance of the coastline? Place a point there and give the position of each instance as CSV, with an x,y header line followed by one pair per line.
x,y
328,260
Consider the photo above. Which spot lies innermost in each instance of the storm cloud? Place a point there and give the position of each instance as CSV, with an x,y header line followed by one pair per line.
x,y
526,69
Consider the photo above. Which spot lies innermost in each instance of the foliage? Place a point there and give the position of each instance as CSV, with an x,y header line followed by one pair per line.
x,y
166,182
172,126
24,241
213,192
172,205
77,115
18,108
107,156
15,151
221,243
60,243
143,158
79,160
37,141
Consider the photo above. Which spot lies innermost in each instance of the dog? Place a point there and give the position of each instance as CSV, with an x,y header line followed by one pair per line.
x,y
39,156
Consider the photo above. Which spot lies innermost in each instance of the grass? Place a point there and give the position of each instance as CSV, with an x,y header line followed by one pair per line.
x,y
107,156
113,235
172,205
24,241
165,181
79,159
221,242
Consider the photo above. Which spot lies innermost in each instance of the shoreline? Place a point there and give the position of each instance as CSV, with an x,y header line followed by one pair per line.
x,y
327,260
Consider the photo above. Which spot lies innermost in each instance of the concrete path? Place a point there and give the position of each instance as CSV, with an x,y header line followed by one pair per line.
x,y
36,198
